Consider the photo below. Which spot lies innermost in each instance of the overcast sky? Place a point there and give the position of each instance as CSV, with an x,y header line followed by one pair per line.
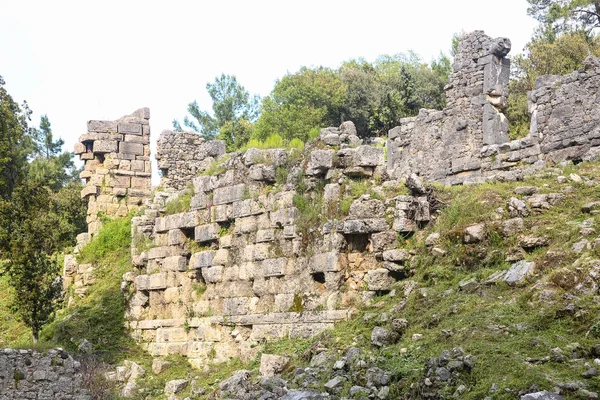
x,y
82,60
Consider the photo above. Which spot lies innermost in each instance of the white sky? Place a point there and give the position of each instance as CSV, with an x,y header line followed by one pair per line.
x,y
82,60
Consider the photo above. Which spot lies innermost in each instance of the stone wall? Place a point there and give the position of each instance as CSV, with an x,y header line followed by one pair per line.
x,y
236,269
26,374
117,168
467,142
181,155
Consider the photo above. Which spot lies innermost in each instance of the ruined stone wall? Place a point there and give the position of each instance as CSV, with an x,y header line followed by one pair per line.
x,y
117,168
237,268
181,155
27,374
467,142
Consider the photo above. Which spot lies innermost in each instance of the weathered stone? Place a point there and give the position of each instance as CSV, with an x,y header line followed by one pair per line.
x,y
380,279
319,162
474,233
175,386
518,272
366,208
271,364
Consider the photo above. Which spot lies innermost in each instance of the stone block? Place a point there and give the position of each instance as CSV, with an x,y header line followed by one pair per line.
x,y
367,156
265,235
157,281
213,274
141,182
105,146
248,207
175,263
495,126
131,148
379,279
273,267
396,255
207,232
79,148
328,262
366,208
185,220
221,257
363,226
202,259
320,162
130,128
229,194
236,306
102,126
271,364
142,282
176,237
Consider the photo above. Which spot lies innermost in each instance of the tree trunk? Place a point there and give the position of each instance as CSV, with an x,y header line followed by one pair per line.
x,y
35,335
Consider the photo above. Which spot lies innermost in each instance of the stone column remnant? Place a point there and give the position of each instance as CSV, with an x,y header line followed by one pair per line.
x,y
117,167
495,87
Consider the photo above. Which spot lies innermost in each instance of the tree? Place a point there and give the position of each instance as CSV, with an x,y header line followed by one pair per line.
x,y
15,142
232,104
49,165
300,102
28,240
566,15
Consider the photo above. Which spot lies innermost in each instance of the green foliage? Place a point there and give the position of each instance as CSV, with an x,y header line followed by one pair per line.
x,y
15,142
566,15
99,316
310,98
544,56
114,236
28,239
393,87
274,141
180,204
233,112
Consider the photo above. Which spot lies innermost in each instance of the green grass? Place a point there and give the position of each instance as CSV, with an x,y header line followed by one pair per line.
x,y
181,203
12,331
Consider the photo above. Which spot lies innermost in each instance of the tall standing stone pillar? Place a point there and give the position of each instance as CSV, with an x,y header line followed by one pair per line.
x,y
117,167
495,87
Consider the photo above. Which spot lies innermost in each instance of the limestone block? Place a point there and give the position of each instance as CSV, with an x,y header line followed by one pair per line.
x,y
102,126
247,271
213,274
265,235
229,194
225,241
172,295
396,255
163,251
273,267
142,282
157,281
236,305
289,231
130,128
245,225
79,148
362,226
319,162
367,156
140,182
328,262
174,263
245,208
176,237
89,190
184,220
495,126
203,184
119,181
222,213
199,201
132,148
207,232
271,364
365,207
105,146
384,241
221,257
202,259
260,251
379,279
283,216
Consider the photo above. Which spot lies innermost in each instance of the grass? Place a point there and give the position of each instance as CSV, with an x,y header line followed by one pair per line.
x,y
99,315
181,203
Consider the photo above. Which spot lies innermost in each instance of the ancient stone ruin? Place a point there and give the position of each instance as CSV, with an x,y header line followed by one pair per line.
x,y
27,374
241,266
117,168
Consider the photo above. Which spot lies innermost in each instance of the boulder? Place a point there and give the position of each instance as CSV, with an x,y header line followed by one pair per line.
x,y
175,386
271,364
518,272
542,396
474,233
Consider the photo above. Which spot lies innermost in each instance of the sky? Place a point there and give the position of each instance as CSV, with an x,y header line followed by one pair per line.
x,y
81,60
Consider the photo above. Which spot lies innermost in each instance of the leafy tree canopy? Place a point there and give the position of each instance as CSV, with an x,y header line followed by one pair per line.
x,y
566,15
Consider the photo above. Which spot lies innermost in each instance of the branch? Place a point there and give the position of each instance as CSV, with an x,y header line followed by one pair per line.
x,y
597,15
